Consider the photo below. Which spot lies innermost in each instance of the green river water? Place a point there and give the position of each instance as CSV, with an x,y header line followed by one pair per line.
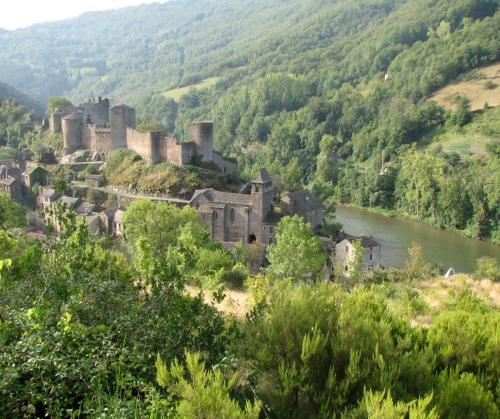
x,y
396,236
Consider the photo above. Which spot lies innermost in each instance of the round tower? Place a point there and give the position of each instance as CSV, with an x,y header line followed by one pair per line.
x,y
202,134
121,117
71,127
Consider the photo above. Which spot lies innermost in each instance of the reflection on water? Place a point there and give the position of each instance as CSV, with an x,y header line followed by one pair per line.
x,y
396,236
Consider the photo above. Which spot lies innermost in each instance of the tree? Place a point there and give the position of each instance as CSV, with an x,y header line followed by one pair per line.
x,y
12,214
206,393
165,240
292,177
57,102
61,181
297,252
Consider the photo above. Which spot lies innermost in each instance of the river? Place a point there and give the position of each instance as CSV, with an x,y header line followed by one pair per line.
x,y
396,236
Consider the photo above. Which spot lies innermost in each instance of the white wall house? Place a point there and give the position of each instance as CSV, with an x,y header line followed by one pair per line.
x,y
345,252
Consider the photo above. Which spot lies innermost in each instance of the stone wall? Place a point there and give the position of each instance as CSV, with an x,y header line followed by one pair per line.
x,y
225,165
202,134
236,223
96,111
175,152
141,144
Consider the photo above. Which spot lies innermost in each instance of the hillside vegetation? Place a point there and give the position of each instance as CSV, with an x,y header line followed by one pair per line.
x,y
93,328
8,92
332,95
480,87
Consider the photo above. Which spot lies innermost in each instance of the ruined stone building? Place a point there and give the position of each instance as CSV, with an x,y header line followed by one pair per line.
x,y
96,127
252,217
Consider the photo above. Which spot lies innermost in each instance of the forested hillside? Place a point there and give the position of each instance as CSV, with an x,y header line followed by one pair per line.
x,y
333,95
8,92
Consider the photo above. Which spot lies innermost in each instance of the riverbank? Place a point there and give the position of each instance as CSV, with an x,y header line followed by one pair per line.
x,y
396,236
409,217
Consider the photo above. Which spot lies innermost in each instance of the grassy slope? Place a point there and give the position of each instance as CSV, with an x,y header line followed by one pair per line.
x,y
472,138
177,93
474,87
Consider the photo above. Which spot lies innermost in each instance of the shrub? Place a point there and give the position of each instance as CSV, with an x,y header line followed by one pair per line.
x,y
487,268
462,396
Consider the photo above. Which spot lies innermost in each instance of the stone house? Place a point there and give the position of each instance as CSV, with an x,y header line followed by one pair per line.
x,y
306,205
10,182
94,181
35,175
345,252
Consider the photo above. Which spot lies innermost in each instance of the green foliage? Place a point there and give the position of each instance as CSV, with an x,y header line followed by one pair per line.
x,y
78,335
12,214
317,347
57,102
165,241
205,393
487,268
148,126
380,406
297,252
462,396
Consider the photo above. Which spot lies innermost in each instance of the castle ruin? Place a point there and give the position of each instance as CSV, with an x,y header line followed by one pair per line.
x,y
96,127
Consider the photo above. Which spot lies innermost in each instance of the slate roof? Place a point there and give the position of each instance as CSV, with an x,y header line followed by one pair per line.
x,y
69,201
34,168
73,115
48,192
8,181
119,216
85,208
366,241
223,197
262,177
272,218
304,201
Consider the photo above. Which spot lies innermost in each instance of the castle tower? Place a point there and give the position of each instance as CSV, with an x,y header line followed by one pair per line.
x,y
202,134
120,118
262,201
71,127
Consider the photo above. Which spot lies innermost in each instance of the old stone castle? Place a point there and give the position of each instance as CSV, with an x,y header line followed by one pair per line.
x,y
96,127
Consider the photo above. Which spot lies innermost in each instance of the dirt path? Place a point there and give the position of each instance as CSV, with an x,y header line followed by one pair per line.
x,y
236,303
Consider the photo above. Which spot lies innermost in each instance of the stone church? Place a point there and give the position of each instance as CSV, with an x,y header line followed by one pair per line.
x,y
252,217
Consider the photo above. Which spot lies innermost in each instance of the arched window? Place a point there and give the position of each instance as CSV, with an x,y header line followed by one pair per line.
x,y
233,215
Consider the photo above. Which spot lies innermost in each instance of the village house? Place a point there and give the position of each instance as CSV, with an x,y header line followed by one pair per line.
x,y
10,181
345,252
109,221
305,204
35,175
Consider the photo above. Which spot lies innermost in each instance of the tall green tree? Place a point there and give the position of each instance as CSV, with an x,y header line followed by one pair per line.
x,y
297,252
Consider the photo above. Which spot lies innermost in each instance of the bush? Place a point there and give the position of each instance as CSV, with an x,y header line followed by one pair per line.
x,y
462,396
487,268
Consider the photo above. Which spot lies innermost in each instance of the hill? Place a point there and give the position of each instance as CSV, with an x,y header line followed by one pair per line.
x,y
8,92
480,86
328,94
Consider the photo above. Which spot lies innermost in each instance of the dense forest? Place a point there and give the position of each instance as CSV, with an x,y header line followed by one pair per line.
x,y
95,328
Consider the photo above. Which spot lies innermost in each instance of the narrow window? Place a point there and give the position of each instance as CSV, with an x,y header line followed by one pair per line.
x,y
233,216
